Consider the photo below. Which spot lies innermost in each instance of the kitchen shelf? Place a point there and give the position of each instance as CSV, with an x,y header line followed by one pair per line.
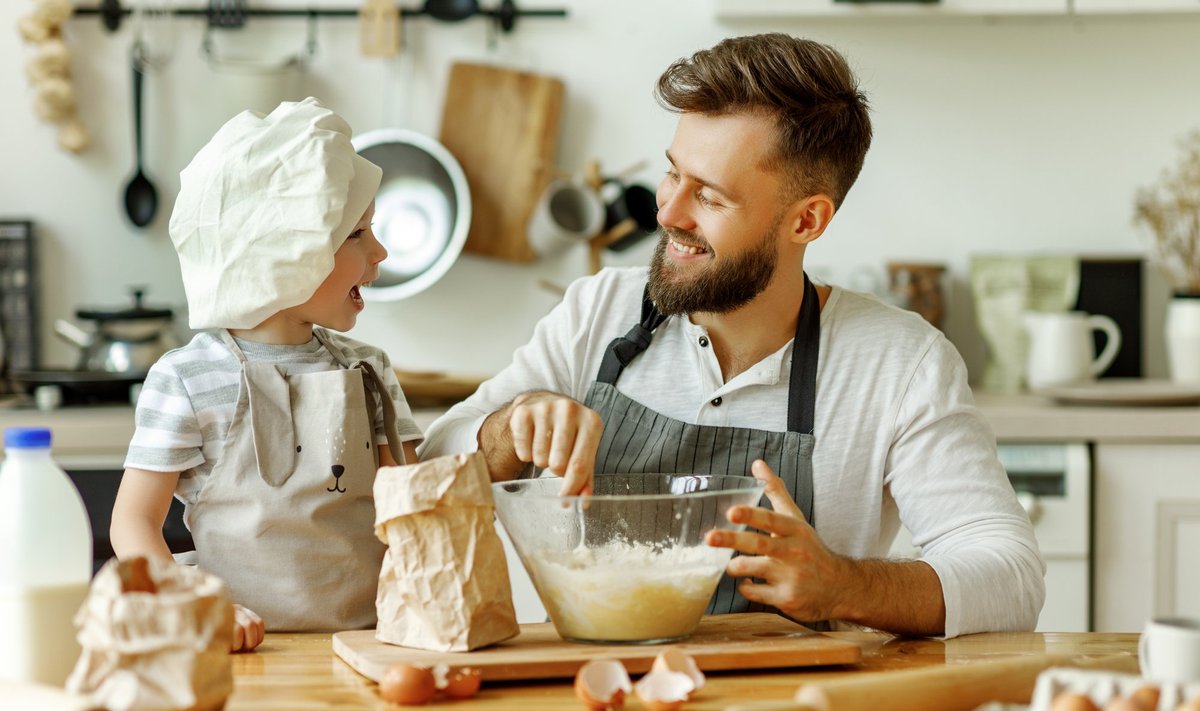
x,y
505,14
1030,418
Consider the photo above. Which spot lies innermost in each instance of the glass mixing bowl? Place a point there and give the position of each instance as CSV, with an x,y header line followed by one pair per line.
x,y
628,564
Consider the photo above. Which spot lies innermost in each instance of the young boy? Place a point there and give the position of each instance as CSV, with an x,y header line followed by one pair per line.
x,y
270,429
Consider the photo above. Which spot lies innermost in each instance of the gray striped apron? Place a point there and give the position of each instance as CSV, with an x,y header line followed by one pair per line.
x,y
637,439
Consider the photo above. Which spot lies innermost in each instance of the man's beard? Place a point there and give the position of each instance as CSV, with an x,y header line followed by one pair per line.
x,y
720,286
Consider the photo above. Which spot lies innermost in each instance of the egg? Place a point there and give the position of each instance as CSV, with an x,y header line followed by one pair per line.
x,y
463,683
407,685
1073,702
602,684
1146,697
1192,704
1124,703
676,660
664,690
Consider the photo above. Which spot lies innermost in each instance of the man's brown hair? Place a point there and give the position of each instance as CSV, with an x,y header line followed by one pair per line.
x,y
807,87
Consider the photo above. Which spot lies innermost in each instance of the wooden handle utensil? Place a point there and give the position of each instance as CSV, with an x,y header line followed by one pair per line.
x,y
954,687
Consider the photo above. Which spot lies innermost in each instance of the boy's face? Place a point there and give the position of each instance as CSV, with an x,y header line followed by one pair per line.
x,y
338,301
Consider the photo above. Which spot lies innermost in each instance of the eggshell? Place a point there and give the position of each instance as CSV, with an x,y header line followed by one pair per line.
x,y
407,685
602,684
664,690
676,660
1073,702
463,683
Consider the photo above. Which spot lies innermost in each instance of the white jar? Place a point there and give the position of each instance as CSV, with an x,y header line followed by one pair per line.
x,y
45,561
1182,337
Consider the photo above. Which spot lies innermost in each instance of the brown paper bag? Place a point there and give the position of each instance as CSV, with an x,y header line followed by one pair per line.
x,y
155,635
444,583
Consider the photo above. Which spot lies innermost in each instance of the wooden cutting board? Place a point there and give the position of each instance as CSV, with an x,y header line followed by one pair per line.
x,y
753,640
502,126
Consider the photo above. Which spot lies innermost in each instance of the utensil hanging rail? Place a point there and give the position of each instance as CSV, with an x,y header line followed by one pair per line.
x,y
504,14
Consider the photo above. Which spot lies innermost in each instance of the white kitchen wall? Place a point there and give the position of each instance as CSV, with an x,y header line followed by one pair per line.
x,y
992,135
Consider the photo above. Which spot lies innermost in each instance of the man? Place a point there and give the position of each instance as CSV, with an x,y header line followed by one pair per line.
x,y
723,351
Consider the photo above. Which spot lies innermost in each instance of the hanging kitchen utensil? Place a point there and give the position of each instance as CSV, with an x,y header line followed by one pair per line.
x,y
502,125
379,28
141,197
451,10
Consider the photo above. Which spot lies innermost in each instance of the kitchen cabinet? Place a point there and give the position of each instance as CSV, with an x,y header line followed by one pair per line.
x,y
1145,524
1147,533
731,9
1097,7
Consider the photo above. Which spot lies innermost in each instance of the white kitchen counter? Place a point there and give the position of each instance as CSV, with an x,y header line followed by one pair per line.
x,y
98,436
1037,419
89,435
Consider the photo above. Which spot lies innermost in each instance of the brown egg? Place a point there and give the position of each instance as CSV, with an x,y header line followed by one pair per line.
x,y
463,683
1124,703
1146,697
407,685
602,684
1073,702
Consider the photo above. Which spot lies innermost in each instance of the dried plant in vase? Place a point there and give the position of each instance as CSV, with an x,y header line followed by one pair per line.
x,y
1171,210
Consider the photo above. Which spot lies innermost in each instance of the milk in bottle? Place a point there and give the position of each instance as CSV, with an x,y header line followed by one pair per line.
x,y
45,561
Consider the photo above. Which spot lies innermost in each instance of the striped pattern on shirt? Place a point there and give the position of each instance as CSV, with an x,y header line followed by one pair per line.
x,y
189,397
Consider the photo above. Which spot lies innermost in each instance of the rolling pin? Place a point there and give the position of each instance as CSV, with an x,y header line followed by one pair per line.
x,y
953,687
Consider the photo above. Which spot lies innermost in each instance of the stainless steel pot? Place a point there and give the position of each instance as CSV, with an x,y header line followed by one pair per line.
x,y
121,341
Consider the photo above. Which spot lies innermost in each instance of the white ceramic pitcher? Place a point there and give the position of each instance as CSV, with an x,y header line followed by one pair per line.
x,y
1061,350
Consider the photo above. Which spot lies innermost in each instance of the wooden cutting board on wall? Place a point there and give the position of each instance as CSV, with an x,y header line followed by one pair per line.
x,y
753,640
502,125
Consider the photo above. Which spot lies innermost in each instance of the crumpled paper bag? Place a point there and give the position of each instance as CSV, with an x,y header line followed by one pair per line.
x,y
444,582
155,635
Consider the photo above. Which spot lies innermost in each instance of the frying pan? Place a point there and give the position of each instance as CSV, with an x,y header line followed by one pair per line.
x,y
81,387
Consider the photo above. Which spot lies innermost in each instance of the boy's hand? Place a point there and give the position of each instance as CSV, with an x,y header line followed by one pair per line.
x,y
248,629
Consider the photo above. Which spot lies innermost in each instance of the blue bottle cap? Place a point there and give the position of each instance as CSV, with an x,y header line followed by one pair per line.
x,y
27,437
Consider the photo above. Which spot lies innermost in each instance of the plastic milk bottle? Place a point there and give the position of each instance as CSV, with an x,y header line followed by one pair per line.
x,y
45,561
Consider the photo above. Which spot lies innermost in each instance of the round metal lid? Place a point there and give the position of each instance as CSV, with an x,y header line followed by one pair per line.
x,y
138,312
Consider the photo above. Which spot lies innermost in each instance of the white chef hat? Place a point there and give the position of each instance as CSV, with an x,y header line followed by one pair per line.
x,y
261,210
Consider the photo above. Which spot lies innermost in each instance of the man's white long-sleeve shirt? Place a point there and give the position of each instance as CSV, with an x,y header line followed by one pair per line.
x,y
898,437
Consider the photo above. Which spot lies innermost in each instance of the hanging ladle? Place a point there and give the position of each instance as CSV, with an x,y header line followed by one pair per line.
x,y
141,198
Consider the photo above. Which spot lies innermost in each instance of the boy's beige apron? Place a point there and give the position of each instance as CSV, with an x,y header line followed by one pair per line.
x,y
286,517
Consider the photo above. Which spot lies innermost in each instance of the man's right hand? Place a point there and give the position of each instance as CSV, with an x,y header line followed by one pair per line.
x,y
547,430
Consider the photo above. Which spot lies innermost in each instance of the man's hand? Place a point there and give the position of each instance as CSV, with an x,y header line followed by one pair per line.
x,y
547,430
248,629
799,573
805,580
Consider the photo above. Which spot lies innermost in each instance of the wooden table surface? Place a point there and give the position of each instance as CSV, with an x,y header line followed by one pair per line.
x,y
295,672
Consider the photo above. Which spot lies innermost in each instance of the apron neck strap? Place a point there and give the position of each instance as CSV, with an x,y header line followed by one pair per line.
x,y
806,346
321,335
374,386
623,349
330,346
230,341
806,351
